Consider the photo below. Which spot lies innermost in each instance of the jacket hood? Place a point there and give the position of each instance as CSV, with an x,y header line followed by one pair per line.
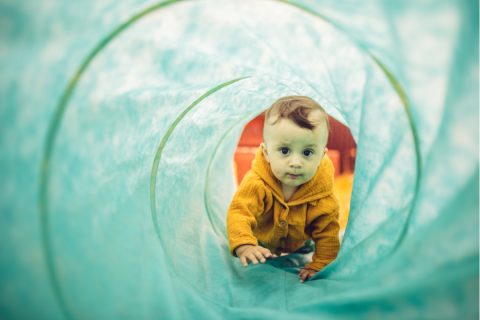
x,y
320,186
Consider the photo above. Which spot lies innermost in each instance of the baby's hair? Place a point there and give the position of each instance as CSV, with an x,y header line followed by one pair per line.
x,y
297,109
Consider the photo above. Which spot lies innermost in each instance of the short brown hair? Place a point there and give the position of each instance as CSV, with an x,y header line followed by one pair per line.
x,y
297,109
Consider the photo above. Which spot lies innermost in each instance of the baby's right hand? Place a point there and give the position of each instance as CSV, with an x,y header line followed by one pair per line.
x,y
253,253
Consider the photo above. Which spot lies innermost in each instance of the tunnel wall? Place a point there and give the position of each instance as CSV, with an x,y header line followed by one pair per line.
x,y
117,153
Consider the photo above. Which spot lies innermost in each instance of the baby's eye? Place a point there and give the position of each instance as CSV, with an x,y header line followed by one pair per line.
x,y
284,150
307,153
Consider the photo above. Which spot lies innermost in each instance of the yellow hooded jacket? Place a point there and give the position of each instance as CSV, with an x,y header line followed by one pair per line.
x,y
259,211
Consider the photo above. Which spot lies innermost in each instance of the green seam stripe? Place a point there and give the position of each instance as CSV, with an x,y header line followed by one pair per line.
x,y
208,204
305,9
418,154
403,97
156,162
48,149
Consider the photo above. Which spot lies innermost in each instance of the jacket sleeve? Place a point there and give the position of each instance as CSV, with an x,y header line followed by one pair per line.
x,y
324,232
247,203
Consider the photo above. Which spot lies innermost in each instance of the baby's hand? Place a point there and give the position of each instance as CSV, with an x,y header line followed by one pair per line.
x,y
253,253
306,274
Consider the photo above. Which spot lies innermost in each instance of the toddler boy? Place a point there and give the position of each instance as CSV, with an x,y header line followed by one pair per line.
x,y
287,197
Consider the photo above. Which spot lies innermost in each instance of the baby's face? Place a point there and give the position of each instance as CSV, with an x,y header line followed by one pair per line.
x,y
294,153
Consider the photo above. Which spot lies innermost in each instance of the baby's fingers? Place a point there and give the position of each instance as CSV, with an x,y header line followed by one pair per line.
x,y
304,276
252,258
259,255
267,253
243,260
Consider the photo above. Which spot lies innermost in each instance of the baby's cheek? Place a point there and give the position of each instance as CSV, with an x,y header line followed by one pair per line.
x,y
277,172
309,176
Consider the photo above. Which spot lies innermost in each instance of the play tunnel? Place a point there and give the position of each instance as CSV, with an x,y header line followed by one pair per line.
x,y
118,127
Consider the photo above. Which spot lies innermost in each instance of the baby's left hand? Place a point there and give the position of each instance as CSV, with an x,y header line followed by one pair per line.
x,y
306,274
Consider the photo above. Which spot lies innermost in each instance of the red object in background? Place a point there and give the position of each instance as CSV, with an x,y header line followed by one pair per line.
x,y
341,139
252,135
334,155
244,157
341,147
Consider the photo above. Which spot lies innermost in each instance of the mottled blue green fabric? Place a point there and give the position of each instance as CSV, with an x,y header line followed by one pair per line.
x,y
118,125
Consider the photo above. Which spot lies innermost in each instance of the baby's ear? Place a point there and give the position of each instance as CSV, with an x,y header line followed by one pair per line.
x,y
325,151
264,150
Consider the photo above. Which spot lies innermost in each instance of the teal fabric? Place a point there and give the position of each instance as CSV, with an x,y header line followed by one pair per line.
x,y
118,125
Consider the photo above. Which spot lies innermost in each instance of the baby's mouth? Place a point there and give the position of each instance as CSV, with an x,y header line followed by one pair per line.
x,y
293,176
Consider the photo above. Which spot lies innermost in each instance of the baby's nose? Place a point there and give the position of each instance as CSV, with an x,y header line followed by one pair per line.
x,y
295,161
295,164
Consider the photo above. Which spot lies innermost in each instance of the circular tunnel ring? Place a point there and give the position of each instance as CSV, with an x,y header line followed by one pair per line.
x,y
60,110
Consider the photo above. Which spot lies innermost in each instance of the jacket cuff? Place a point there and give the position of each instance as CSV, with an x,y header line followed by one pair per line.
x,y
317,266
234,246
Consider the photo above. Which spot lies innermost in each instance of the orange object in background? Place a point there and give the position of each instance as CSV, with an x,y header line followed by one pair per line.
x,y
342,189
341,150
243,159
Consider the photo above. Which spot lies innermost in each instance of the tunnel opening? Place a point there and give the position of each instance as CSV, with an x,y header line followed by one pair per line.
x,y
342,151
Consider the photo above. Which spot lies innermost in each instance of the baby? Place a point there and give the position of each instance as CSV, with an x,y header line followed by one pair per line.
x,y
287,197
